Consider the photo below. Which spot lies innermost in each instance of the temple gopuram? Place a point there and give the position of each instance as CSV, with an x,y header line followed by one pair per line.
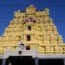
x,y
31,33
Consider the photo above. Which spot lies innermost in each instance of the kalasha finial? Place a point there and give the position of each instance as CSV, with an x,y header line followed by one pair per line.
x,y
31,5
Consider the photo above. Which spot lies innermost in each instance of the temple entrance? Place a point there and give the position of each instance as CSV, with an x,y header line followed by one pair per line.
x,y
28,60
20,60
51,62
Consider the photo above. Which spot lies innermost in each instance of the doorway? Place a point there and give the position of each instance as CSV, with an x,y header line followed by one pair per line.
x,y
51,62
20,60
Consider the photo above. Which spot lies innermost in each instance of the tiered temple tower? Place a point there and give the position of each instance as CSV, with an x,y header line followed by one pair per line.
x,y
35,29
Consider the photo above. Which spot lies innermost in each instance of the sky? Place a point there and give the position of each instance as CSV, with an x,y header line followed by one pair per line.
x,y
56,7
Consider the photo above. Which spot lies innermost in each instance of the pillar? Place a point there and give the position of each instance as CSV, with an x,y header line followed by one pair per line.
x,y
36,61
4,62
64,61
